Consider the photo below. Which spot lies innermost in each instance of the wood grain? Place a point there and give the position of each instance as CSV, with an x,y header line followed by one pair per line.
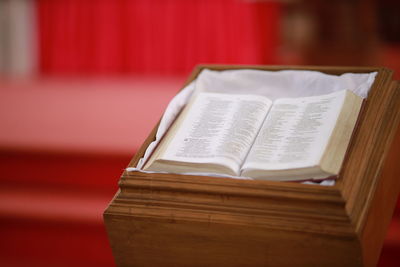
x,y
180,220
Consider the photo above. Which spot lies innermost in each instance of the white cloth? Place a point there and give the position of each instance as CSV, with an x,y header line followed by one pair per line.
x,y
272,84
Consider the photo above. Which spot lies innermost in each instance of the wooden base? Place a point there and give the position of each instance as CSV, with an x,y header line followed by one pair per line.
x,y
179,220
155,242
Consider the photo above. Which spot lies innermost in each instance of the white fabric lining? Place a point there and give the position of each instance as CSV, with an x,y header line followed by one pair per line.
x,y
272,84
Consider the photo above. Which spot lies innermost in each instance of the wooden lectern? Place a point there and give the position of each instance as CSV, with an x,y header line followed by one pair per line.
x,y
179,220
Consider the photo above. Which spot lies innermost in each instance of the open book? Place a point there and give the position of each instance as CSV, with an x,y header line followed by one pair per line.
x,y
251,136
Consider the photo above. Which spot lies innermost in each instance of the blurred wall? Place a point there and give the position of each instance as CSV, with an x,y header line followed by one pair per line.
x,y
18,38
154,36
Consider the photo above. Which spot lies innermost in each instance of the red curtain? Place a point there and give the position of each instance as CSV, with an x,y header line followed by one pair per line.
x,y
154,36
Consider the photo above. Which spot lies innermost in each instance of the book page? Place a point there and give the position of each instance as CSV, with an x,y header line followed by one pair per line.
x,y
218,128
295,132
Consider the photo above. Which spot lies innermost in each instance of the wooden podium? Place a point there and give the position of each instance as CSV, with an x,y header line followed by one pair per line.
x,y
179,220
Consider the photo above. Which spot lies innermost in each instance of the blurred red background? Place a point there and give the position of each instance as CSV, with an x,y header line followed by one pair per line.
x,y
83,82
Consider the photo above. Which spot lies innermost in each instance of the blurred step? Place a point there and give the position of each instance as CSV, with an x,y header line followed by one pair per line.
x,y
53,227
53,204
391,246
77,171
109,116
